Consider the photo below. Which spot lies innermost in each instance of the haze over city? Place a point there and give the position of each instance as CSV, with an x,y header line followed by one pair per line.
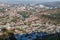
x,y
28,0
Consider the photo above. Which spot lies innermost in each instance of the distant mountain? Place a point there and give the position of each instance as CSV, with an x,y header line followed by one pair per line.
x,y
52,4
48,4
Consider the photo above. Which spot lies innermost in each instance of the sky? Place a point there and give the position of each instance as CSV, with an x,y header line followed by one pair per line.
x,y
28,0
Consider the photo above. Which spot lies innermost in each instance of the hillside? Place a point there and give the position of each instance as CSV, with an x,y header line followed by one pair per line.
x,y
51,16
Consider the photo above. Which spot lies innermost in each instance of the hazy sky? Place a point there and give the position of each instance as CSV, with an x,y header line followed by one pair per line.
x,y
29,0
